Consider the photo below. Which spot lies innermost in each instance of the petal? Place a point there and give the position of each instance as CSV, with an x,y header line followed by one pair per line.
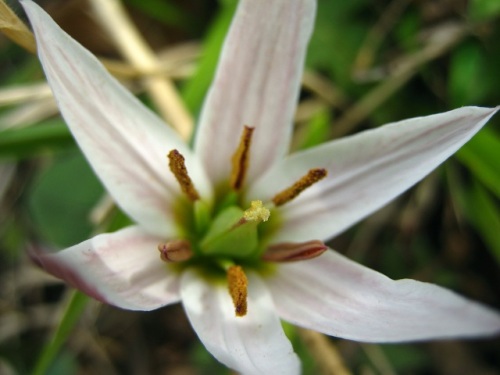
x,y
122,268
256,84
339,297
125,142
253,344
365,171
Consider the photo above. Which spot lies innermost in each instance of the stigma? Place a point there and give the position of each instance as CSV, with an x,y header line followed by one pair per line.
x,y
257,212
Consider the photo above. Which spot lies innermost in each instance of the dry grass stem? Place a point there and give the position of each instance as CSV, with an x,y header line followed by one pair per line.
x,y
307,108
15,29
377,357
177,62
367,51
173,61
324,89
28,113
24,93
441,41
324,352
131,45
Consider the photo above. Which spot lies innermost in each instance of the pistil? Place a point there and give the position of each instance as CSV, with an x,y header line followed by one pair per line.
x,y
178,167
234,232
285,196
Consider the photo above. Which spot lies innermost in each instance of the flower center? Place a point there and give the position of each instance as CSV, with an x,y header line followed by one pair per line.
x,y
226,239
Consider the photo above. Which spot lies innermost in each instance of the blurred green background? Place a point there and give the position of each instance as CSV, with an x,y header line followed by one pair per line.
x,y
369,63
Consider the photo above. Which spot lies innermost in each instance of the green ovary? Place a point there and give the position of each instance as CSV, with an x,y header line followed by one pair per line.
x,y
230,234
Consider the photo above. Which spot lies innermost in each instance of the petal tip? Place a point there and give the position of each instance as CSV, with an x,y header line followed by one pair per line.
x,y
62,270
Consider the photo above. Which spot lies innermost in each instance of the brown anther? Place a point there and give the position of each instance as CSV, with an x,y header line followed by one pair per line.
x,y
240,159
178,167
293,251
313,176
237,282
175,251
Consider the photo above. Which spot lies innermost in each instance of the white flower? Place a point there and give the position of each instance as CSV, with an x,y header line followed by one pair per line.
x,y
204,231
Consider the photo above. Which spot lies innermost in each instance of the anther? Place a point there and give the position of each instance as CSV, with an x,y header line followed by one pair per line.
x,y
240,159
178,167
313,176
175,251
237,282
293,251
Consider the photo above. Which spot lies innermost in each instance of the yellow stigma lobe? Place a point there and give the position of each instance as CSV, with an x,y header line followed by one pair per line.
x,y
237,282
313,176
178,167
240,159
256,212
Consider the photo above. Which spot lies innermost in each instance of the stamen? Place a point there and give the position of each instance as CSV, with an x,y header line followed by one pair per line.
x,y
290,251
240,159
256,212
175,251
178,167
237,282
313,176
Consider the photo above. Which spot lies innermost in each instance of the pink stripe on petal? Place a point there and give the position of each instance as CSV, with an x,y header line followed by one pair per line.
x,y
257,84
365,171
63,271
124,141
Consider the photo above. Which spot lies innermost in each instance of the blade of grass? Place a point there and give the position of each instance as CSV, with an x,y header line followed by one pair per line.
x,y
70,316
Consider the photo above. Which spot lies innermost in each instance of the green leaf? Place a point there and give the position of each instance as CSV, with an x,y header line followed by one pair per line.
x,y
402,358
465,84
165,12
316,131
475,205
481,155
480,10
61,199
